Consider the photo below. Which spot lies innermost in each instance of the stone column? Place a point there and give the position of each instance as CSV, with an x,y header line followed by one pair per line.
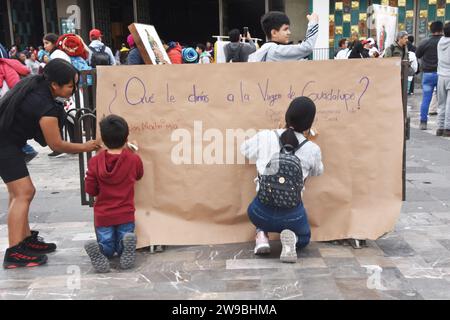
x,y
297,12
322,8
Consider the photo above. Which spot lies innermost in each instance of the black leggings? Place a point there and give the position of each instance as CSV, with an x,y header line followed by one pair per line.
x,y
12,164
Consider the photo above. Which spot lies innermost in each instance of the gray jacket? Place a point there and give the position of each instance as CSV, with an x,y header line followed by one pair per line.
x,y
275,52
444,57
97,44
239,49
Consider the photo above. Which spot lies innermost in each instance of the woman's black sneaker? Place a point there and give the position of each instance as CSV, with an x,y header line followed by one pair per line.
x,y
36,244
19,257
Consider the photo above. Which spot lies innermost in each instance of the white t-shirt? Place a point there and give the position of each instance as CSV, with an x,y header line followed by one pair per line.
x,y
264,145
59,54
4,89
343,54
33,66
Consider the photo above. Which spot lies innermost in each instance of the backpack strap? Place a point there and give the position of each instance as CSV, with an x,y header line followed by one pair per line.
x,y
102,49
301,145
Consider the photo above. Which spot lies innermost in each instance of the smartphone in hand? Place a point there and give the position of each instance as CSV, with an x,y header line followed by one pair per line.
x,y
245,32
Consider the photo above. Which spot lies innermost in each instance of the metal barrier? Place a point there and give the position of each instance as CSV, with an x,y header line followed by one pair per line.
x,y
85,123
322,54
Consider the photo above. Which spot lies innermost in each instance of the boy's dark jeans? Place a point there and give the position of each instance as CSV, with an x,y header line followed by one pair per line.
x,y
275,220
110,238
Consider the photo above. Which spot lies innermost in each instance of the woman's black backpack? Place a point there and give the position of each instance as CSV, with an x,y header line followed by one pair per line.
x,y
282,183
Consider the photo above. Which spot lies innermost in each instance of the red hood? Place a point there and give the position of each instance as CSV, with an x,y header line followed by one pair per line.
x,y
17,66
112,168
177,48
10,71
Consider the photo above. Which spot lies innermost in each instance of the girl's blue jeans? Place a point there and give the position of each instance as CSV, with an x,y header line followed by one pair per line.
x,y
276,220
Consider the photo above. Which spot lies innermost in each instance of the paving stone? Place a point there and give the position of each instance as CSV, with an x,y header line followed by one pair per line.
x,y
356,289
345,268
336,252
434,289
411,263
320,288
395,247
282,290
422,206
399,295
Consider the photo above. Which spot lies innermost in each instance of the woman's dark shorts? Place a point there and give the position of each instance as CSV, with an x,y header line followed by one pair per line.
x,y
12,164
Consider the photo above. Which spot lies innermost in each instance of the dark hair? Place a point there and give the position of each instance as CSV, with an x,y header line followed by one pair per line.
x,y
299,118
234,35
436,26
201,46
56,71
447,29
273,20
342,42
411,39
114,131
51,37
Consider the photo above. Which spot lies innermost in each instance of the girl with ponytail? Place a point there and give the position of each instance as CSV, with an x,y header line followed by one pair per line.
x,y
291,223
29,111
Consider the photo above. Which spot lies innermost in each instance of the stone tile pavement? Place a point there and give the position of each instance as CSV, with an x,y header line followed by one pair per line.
x,y
411,263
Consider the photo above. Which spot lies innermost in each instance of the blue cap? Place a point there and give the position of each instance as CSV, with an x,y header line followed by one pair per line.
x,y
189,55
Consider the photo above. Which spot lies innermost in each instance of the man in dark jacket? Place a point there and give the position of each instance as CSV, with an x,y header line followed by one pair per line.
x,y
428,53
358,51
412,48
399,48
237,51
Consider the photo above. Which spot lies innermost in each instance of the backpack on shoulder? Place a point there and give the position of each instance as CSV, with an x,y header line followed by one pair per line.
x,y
237,56
99,57
282,183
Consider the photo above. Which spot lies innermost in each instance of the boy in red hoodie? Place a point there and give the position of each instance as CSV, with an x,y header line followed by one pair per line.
x,y
110,178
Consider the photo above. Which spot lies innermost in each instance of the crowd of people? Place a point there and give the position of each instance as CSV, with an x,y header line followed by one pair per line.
x,y
431,58
32,109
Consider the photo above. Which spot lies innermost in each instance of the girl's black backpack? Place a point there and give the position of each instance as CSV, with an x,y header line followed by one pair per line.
x,y
282,183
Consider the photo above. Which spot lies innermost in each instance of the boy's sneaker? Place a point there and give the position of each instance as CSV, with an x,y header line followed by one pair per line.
x,y
36,244
98,259
289,243
19,257
262,246
128,257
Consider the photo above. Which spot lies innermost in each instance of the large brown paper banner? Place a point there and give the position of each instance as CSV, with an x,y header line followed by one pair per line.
x,y
184,116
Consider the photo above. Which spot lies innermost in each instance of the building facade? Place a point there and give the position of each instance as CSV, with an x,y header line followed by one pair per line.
x,y
414,16
24,22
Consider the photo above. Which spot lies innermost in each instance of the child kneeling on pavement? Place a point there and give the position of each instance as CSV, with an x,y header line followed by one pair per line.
x,y
284,159
110,178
